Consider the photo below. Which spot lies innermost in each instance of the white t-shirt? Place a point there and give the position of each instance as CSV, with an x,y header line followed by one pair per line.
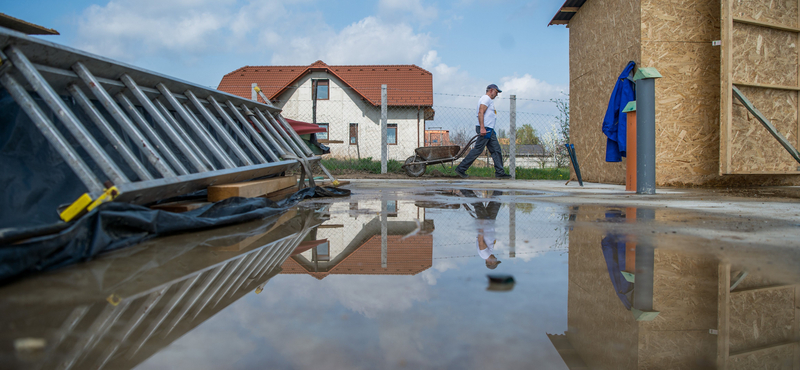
x,y
489,239
491,113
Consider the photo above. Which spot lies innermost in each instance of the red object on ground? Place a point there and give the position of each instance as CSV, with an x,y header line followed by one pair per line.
x,y
303,128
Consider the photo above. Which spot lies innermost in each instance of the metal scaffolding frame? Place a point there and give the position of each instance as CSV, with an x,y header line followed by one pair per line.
x,y
171,137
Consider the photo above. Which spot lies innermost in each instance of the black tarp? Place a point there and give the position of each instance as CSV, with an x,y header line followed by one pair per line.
x,y
112,226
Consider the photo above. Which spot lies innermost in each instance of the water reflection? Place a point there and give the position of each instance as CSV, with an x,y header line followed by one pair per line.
x,y
642,296
119,310
393,280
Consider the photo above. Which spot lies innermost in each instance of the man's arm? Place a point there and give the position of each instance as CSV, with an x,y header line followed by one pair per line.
x,y
481,112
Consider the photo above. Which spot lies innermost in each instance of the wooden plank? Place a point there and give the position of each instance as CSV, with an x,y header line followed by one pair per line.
x,y
250,189
331,226
281,194
723,314
180,206
570,9
768,86
760,349
761,289
765,24
726,95
286,216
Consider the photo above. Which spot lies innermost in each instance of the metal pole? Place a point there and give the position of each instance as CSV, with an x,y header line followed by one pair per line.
x,y
127,125
512,225
253,95
645,263
214,139
108,132
266,123
384,118
155,114
646,130
39,84
253,133
160,144
512,138
51,133
232,144
384,234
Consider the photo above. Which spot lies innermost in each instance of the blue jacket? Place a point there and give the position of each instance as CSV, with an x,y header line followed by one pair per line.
x,y
615,123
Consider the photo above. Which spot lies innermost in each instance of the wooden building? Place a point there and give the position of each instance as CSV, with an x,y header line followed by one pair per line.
x,y
704,136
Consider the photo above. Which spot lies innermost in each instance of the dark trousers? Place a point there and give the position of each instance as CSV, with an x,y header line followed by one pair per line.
x,y
494,150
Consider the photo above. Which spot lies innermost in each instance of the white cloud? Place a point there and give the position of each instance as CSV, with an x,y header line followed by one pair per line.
x,y
127,29
368,41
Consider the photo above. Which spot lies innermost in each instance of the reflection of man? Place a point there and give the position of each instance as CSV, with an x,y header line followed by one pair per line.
x,y
485,215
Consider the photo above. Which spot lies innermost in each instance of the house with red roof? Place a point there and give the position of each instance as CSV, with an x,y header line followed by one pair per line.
x,y
347,101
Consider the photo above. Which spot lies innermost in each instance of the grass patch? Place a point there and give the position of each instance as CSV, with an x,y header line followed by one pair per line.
x,y
368,165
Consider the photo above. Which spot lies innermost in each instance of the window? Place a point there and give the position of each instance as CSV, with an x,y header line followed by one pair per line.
x,y
322,89
323,135
354,134
322,252
391,208
391,134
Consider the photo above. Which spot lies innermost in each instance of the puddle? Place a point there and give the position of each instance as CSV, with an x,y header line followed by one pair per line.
x,y
445,278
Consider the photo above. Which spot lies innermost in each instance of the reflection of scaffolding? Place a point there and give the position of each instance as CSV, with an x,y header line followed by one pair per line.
x,y
151,136
123,331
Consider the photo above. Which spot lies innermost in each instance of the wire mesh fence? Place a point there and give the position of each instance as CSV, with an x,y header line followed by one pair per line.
x,y
359,135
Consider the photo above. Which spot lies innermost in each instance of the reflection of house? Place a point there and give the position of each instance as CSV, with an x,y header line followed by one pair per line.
x,y
346,100
756,322
351,243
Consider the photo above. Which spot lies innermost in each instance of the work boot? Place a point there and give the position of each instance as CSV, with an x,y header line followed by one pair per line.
x,y
461,174
503,176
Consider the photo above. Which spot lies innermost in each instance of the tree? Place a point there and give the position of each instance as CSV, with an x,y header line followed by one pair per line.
x,y
527,135
459,137
562,104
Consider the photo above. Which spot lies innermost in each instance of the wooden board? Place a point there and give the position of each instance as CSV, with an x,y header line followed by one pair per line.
x,y
250,189
180,206
760,55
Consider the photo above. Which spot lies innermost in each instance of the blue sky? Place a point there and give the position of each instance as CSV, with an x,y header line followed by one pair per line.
x,y
466,44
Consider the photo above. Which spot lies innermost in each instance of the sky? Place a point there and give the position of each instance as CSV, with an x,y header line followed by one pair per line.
x,y
466,44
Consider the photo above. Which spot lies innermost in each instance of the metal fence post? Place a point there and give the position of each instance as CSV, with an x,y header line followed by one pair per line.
x,y
384,118
253,93
645,79
512,138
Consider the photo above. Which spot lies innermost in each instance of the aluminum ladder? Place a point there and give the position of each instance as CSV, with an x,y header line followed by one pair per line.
x,y
170,137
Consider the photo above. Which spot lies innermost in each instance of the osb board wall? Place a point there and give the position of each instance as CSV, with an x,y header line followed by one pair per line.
x,y
685,294
759,55
761,318
676,40
753,149
773,358
604,36
597,320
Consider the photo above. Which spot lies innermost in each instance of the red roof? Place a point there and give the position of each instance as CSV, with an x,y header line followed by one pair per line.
x,y
408,85
303,128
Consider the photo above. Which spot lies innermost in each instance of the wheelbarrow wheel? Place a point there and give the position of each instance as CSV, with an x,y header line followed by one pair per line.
x,y
414,170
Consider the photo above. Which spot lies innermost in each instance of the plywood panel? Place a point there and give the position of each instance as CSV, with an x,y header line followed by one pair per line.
x,y
604,36
761,318
684,349
773,358
759,54
764,56
596,318
779,12
753,149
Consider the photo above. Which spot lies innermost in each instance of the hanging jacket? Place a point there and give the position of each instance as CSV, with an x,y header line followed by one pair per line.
x,y
615,123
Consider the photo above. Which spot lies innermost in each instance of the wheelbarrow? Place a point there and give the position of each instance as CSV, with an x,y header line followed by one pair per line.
x,y
416,164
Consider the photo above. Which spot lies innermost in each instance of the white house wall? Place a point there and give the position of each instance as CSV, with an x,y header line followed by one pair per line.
x,y
344,107
353,220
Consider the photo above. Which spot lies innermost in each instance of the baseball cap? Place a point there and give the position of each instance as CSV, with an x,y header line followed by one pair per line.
x,y
493,86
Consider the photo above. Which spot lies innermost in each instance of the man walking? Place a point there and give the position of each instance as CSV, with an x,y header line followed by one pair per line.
x,y
487,115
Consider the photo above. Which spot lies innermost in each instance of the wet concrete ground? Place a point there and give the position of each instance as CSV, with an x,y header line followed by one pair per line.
x,y
397,276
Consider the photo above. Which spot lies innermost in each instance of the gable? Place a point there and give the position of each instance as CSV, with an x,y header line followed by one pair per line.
x,y
409,85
